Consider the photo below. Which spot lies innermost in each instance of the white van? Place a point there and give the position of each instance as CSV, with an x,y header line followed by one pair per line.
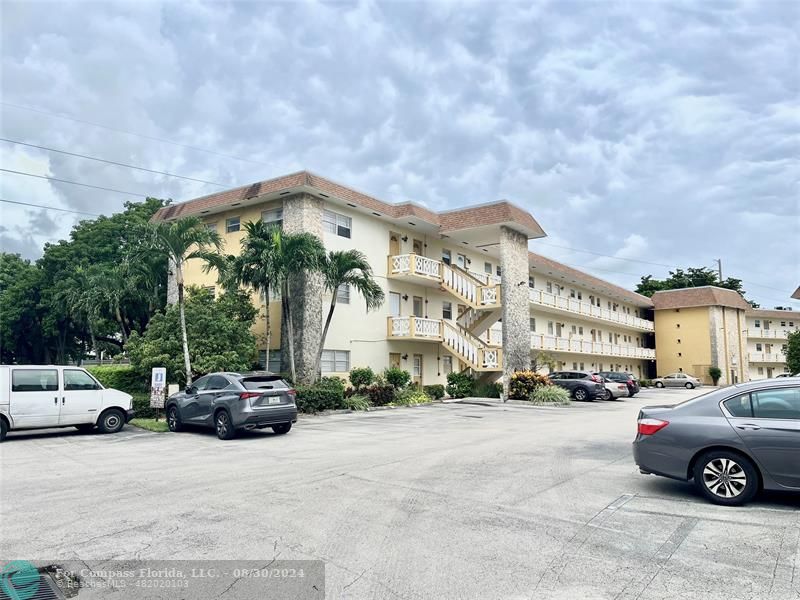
x,y
37,396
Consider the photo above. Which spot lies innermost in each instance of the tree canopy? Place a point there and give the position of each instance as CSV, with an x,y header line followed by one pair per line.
x,y
690,277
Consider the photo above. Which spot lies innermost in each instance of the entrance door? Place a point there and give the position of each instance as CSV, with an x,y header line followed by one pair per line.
x,y
394,244
394,360
418,248
35,398
417,369
394,304
81,398
769,372
418,306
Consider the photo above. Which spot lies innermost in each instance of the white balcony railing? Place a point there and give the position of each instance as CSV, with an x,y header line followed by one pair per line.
x,y
768,334
415,328
766,357
575,306
555,344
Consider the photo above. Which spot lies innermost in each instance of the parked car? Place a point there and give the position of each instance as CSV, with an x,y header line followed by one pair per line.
x,y
229,402
614,389
677,380
731,441
581,385
787,375
44,396
629,380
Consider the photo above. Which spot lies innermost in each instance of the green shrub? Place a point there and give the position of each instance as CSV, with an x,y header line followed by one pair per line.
x,y
645,383
410,396
381,395
357,402
434,391
460,385
397,377
549,394
523,384
361,377
121,377
326,394
715,373
141,407
489,389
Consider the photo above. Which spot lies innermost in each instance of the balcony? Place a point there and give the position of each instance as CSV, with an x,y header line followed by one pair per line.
x,y
765,357
563,304
550,343
414,328
768,334
416,267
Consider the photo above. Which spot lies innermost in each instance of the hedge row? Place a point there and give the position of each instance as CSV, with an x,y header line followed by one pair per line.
x,y
120,377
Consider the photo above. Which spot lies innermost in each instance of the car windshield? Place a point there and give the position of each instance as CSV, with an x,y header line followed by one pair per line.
x,y
263,382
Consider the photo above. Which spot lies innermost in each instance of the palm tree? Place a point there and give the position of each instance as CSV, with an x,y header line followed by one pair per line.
x,y
257,265
179,241
111,288
296,254
82,301
347,267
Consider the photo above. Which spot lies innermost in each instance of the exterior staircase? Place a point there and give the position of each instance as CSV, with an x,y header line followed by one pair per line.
x,y
480,294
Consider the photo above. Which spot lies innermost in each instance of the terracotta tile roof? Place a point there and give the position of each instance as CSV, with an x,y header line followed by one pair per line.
x,y
542,263
501,212
707,295
774,314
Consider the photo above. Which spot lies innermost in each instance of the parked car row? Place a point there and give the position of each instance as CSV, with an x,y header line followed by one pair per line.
x,y
40,397
587,386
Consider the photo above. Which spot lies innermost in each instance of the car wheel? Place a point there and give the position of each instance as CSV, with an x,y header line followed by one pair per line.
x,y
608,395
174,419
631,394
282,428
3,429
689,386
224,426
726,477
85,428
659,384
580,394
111,421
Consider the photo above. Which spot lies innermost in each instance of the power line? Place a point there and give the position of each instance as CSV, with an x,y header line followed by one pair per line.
x,y
79,212
110,162
146,137
96,187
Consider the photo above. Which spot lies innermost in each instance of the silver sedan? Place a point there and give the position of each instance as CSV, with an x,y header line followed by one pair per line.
x,y
677,380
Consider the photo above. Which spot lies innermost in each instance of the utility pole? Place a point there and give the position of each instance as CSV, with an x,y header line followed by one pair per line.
x,y
719,269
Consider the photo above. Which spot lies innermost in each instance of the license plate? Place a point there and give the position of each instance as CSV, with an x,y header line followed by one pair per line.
x,y
274,400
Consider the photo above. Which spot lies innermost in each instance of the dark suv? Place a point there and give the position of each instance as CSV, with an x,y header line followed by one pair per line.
x,y
232,401
626,378
580,384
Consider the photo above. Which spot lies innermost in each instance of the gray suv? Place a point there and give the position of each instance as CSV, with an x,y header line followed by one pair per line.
x,y
580,384
232,401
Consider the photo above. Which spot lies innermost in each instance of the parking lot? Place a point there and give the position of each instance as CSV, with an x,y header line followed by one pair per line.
x,y
442,501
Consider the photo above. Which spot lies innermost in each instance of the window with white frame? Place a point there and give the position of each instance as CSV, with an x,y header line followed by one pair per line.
x,y
447,310
549,287
274,364
783,323
531,282
572,293
487,268
211,226
758,347
580,330
337,224
760,370
232,225
273,217
758,323
335,361
550,328
580,295
447,256
533,324
343,294
499,271
447,364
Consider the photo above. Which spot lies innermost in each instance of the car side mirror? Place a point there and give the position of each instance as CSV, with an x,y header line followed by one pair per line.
x,y
190,389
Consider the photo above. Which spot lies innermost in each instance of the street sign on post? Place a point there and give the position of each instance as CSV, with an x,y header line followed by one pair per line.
x,y
158,385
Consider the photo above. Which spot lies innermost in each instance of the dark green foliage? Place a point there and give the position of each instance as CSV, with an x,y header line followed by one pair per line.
x,y
218,331
489,389
691,277
361,377
460,385
121,377
381,395
645,383
793,353
397,377
715,373
549,394
141,406
410,396
326,394
524,383
434,391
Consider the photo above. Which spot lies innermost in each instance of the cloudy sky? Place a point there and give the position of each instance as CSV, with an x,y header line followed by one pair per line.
x,y
664,132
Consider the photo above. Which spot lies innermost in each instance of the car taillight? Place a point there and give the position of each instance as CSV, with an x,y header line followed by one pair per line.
x,y
248,395
597,378
650,426
622,387
292,394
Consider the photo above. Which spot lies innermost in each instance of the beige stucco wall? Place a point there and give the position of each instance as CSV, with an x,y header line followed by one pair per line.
x,y
693,352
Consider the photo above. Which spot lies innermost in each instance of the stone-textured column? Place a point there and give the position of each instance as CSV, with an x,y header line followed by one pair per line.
x,y
303,214
516,311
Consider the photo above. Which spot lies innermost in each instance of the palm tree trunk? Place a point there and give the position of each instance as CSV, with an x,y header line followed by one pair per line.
x,y
186,360
289,330
267,324
325,334
121,322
